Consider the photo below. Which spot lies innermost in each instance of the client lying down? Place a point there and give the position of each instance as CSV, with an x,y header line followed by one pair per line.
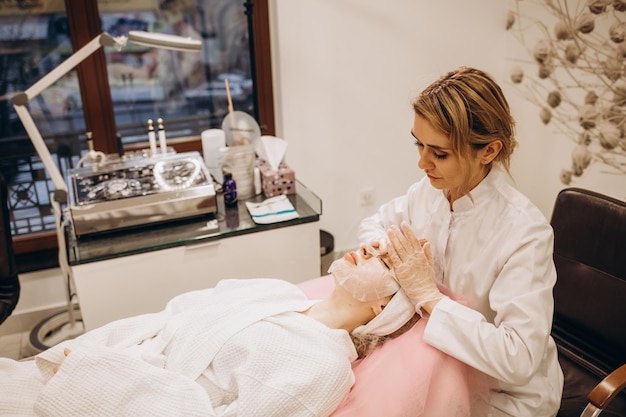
x,y
252,347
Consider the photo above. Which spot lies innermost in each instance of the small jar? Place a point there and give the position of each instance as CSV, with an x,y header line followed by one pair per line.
x,y
229,187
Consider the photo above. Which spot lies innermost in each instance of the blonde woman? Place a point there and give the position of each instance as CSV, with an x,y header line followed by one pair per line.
x,y
490,245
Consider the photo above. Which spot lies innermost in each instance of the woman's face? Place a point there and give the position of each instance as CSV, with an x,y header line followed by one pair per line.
x,y
364,276
441,165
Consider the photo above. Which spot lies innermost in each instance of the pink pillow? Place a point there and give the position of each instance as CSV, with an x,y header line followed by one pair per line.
x,y
318,288
407,377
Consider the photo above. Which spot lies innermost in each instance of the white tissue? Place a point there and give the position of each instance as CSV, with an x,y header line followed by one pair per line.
x,y
272,150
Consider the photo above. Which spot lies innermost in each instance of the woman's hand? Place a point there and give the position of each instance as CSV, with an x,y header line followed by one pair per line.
x,y
375,248
413,267
66,352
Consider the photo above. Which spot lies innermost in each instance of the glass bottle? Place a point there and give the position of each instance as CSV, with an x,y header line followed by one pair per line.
x,y
229,187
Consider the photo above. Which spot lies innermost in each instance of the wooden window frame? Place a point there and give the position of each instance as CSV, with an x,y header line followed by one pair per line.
x,y
39,251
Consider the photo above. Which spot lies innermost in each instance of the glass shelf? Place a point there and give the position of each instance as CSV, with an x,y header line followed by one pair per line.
x,y
227,222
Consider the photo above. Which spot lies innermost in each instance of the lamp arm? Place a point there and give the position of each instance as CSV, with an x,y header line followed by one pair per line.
x,y
42,149
104,39
20,100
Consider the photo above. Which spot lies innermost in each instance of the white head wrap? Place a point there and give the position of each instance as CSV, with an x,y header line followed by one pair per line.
x,y
367,279
398,311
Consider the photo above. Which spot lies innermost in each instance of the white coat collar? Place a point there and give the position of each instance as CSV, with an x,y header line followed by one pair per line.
x,y
481,192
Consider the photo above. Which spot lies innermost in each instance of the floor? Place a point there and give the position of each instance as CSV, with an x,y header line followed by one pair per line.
x,y
17,346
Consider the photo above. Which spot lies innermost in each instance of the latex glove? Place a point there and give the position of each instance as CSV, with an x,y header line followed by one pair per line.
x,y
413,266
375,248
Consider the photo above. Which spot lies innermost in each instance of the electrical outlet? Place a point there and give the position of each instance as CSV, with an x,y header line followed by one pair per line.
x,y
366,197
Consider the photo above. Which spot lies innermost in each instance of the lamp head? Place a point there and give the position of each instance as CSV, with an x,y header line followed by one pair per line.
x,y
164,41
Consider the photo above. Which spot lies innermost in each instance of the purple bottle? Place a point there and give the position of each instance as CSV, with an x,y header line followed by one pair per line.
x,y
229,187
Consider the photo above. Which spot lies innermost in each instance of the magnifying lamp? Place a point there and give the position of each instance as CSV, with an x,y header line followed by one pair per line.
x,y
19,100
60,193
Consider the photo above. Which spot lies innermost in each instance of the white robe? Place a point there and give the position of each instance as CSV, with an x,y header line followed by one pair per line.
x,y
495,253
240,349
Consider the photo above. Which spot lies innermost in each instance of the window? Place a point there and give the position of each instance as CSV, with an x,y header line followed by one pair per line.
x,y
113,93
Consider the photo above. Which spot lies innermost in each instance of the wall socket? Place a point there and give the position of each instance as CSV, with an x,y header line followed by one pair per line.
x,y
366,197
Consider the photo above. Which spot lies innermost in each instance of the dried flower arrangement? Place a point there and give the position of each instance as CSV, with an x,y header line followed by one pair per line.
x,y
579,86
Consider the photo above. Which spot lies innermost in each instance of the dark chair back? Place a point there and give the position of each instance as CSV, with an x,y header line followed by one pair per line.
x,y
590,293
9,283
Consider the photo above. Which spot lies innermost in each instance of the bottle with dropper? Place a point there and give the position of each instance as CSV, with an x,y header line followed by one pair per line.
x,y
152,138
161,134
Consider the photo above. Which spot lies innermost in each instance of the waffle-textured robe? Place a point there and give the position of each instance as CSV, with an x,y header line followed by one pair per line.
x,y
240,349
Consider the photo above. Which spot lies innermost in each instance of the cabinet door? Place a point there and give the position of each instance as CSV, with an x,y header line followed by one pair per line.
x,y
289,253
122,287
112,289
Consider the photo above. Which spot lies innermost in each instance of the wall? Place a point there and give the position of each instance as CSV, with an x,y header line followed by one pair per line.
x,y
345,72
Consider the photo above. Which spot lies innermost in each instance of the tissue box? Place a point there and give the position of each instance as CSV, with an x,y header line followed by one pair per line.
x,y
277,182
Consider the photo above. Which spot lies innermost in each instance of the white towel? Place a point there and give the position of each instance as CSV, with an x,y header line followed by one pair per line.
x,y
273,210
398,311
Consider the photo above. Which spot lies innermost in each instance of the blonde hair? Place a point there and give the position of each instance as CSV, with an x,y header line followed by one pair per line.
x,y
366,343
469,107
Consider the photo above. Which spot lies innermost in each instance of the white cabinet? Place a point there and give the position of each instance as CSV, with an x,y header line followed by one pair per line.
x,y
120,287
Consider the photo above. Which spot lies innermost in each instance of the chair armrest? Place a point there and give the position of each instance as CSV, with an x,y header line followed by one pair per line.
x,y
608,388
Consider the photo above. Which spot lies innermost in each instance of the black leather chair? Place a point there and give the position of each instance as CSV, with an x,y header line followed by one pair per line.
x,y
9,283
590,302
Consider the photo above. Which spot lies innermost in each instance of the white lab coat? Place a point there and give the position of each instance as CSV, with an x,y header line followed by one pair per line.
x,y
237,350
496,254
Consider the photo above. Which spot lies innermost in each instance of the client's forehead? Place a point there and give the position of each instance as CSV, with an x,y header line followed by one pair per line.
x,y
372,262
377,260
375,265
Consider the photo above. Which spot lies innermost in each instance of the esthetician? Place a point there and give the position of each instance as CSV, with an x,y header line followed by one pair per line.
x,y
489,244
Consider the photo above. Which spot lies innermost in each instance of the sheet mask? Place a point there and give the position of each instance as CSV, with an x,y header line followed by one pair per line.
x,y
239,161
369,280
380,250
